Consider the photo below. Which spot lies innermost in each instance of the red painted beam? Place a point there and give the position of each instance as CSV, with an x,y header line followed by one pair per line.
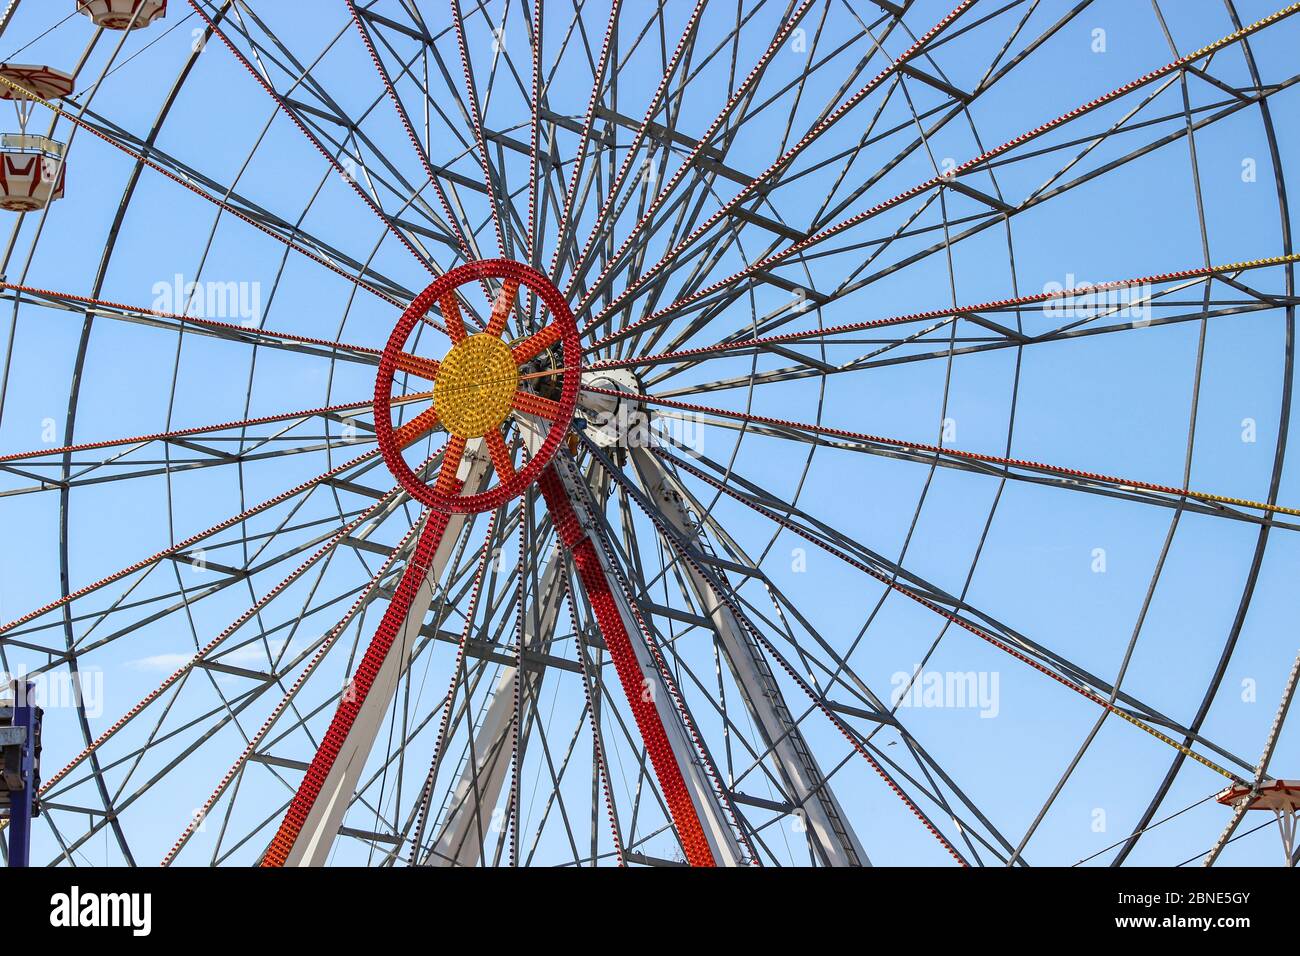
x,y
590,571
393,621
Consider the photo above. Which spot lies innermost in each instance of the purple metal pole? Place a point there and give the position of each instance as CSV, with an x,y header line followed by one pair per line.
x,y
20,807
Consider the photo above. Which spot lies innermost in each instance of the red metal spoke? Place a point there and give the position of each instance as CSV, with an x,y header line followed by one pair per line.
x,y
418,365
505,302
451,315
941,450
534,404
500,454
781,162
537,343
191,540
350,705
1200,272
416,428
265,84
968,166
448,483
592,576
588,683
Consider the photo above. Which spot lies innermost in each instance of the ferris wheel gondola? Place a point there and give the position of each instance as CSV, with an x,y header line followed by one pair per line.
x,y
122,14
32,168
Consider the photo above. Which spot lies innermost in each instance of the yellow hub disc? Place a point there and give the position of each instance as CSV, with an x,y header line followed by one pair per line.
x,y
475,386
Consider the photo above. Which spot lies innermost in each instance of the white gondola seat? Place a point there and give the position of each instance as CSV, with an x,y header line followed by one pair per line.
x,y
122,14
32,172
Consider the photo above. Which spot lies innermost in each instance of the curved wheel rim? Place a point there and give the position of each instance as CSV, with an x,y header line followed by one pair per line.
x,y
568,400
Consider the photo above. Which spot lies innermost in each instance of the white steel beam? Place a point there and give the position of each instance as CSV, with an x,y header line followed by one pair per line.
x,y
828,828
478,790
312,846
716,818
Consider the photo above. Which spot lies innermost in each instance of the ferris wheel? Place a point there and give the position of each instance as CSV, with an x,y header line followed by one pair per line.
x,y
814,432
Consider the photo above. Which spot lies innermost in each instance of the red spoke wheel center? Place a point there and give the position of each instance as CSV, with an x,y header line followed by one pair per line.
x,y
479,384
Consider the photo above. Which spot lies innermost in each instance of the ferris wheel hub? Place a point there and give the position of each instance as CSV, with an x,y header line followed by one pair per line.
x,y
476,385
614,421
483,383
